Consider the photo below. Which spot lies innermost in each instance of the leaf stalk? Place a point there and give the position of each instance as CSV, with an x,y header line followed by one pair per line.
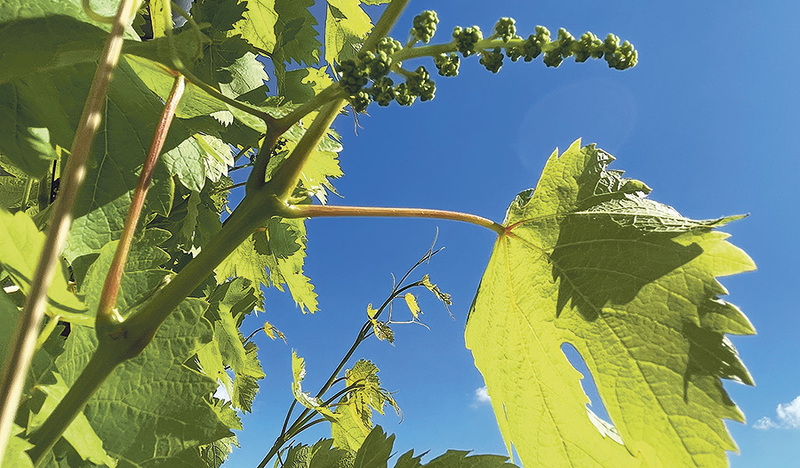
x,y
106,314
312,211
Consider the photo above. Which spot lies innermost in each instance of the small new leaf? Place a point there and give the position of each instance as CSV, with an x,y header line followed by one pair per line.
x,y
411,302
383,331
273,332
305,398
371,313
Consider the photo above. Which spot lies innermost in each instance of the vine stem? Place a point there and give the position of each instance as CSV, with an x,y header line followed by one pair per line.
x,y
312,211
106,313
288,173
27,331
126,340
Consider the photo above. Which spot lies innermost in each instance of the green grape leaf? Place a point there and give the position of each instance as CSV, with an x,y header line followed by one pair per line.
x,y
230,302
325,455
156,76
322,164
20,245
355,408
375,451
303,84
279,250
12,192
38,45
221,15
137,410
210,360
13,10
305,398
346,27
16,455
258,25
462,459
245,262
8,317
30,121
349,430
194,218
587,260
296,38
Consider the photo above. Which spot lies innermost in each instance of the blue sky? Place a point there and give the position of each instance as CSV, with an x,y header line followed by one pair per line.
x,y
709,119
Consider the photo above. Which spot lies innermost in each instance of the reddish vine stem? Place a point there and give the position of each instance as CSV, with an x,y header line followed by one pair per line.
x,y
106,314
27,331
313,211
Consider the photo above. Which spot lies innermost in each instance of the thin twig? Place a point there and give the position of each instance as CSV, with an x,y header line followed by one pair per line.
x,y
27,332
229,187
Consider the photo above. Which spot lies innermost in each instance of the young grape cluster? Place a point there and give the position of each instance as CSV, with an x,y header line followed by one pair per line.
x,y
505,29
375,65
466,39
619,56
424,26
447,64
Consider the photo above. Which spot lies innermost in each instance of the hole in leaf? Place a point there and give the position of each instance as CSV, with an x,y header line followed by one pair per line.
x,y
595,409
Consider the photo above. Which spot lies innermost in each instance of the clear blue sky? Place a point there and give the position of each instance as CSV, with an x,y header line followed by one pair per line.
x,y
709,118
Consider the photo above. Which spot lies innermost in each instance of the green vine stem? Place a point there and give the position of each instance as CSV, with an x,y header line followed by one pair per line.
x,y
312,211
286,176
92,376
27,331
122,341
106,313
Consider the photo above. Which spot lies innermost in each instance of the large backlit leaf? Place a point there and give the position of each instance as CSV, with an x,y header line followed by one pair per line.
x,y
153,410
588,260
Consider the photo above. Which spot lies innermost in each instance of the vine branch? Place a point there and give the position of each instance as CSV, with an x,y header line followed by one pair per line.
x,y
106,313
27,331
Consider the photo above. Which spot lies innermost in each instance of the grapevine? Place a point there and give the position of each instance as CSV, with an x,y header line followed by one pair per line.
x,y
142,323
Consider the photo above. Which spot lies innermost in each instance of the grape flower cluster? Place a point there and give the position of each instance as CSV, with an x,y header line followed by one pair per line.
x,y
424,26
375,66
619,56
